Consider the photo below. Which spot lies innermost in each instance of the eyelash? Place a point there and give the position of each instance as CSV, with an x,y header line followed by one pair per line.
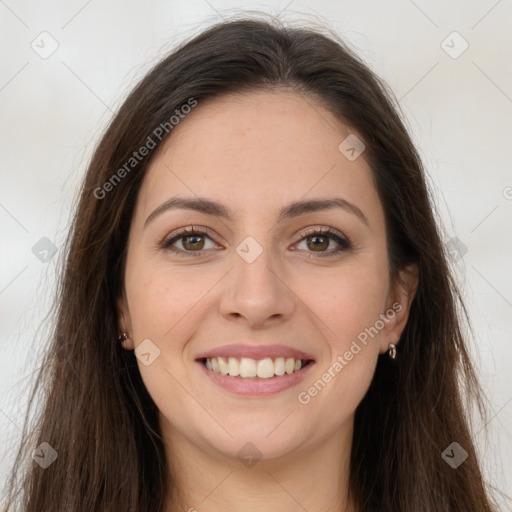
x,y
343,242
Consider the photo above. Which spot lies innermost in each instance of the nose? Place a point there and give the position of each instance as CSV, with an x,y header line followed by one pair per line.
x,y
257,292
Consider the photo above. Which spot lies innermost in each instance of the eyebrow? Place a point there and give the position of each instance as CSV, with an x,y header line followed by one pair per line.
x,y
210,207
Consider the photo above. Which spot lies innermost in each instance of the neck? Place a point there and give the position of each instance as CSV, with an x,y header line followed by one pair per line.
x,y
312,478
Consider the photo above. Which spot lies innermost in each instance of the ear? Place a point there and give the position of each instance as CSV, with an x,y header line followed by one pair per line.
x,y
398,306
125,322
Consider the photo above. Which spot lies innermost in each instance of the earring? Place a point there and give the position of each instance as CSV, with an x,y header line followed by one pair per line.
x,y
122,338
392,351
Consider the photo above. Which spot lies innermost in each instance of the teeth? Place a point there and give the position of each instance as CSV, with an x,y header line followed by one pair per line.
x,y
279,367
289,365
246,367
234,367
266,368
223,365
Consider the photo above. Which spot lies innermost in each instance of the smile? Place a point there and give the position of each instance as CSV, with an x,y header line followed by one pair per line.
x,y
248,368
256,377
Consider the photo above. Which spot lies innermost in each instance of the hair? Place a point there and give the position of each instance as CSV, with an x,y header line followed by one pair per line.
x,y
97,412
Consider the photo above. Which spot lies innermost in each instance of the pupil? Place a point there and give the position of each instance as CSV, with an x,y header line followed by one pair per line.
x,y
320,245
192,240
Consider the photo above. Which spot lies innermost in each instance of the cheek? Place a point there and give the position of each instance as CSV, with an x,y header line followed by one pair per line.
x,y
161,309
160,299
348,301
348,306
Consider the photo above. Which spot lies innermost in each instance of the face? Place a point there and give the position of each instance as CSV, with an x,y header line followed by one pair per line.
x,y
282,265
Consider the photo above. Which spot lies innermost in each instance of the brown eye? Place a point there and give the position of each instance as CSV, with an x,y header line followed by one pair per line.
x,y
324,242
319,242
193,242
189,242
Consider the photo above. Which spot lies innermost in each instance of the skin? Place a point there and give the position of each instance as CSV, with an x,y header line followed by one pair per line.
x,y
255,153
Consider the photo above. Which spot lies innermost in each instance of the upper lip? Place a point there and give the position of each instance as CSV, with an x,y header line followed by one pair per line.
x,y
255,352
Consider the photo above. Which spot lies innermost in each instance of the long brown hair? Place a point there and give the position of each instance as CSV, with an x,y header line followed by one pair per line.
x,y
97,413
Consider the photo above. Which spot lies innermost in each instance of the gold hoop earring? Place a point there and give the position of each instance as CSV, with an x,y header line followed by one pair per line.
x,y
392,351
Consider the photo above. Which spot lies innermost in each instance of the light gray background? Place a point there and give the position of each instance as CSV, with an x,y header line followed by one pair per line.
x,y
54,109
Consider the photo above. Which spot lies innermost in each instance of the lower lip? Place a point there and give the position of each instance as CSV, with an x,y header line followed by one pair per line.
x,y
257,387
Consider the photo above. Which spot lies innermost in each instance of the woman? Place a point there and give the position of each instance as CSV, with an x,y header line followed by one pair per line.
x,y
256,311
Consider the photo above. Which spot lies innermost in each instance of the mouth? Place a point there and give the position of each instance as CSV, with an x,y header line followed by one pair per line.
x,y
246,368
270,370
255,370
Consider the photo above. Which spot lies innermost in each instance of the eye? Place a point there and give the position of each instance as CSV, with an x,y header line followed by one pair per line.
x,y
319,240
192,241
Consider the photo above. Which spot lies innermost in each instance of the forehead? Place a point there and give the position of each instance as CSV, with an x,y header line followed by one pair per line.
x,y
259,148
